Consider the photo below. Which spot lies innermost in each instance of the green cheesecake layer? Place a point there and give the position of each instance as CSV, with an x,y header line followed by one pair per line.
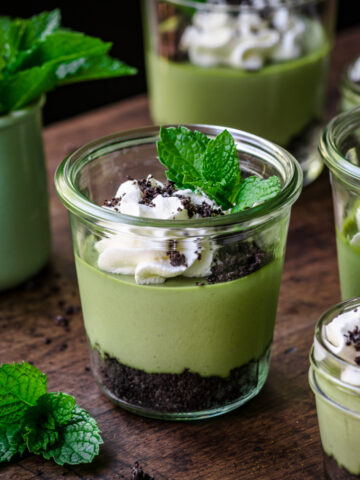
x,y
276,102
339,431
349,266
167,328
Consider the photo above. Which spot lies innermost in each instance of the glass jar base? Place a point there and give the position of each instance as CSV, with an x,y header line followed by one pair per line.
x,y
185,396
334,472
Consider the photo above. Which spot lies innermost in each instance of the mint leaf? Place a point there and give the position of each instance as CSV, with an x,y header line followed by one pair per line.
x,y
255,190
21,385
42,422
65,45
92,68
38,27
181,151
196,162
79,440
36,55
11,442
24,87
19,90
220,169
212,167
49,424
11,32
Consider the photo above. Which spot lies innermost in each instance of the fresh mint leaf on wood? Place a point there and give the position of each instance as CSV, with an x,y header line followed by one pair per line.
x,y
255,190
21,385
79,440
211,166
42,422
11,442
47,424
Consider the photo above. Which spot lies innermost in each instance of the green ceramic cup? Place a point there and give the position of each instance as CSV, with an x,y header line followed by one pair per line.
x,y
24,215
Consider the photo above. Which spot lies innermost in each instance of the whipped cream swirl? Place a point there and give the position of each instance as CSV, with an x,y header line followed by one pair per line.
x,y
245,41
342,337
354,71
154,258
355,240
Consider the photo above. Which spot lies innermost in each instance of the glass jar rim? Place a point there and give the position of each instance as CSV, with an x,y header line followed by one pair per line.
x,y
334,132
331,313
80,205
315,387
17,115
224,7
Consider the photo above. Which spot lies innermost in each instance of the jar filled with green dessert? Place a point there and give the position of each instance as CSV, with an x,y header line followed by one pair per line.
x,y
350,86
340,149
334,377
258,65
179,263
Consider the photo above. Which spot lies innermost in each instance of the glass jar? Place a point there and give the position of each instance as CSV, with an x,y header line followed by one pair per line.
x,y
24,209
337,402
340,149
349,88
191,347
258,66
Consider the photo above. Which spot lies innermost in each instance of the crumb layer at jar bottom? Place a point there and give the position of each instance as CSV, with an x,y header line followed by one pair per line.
x,y
178,393
334,472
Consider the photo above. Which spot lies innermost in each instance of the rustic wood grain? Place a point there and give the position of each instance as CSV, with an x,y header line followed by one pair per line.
x,y
275,436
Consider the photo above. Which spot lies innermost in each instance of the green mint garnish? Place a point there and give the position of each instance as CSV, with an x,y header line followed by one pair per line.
x,y
255,190
37,55
212,166
47,424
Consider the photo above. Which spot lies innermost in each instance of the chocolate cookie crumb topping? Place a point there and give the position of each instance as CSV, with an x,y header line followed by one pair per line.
x,y
149,192
204,210
353,338
111,203
137,473
176,258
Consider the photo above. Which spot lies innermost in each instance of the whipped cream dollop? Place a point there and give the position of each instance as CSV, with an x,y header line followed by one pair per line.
x,y
354,71
153,258
245,41
342,337
355,240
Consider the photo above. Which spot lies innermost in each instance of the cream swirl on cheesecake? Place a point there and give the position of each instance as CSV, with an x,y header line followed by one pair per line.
x,y
246,41
355,240
153,259
354,71
342,337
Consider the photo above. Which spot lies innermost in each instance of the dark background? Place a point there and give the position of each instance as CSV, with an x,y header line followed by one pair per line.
x,y
118,22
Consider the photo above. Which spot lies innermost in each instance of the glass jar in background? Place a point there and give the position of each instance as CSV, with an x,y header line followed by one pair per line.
x,y
336,385
191,347
340,149
350,86
247,65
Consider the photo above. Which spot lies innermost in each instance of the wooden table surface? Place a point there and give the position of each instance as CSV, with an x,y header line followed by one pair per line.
x,y
275,436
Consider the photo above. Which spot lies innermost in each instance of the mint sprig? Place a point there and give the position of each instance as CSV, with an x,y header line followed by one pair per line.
x,y
37,55
212,166
47,424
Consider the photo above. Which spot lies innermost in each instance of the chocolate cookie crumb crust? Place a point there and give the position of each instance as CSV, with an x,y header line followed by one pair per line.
x,y
174,393
334,472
